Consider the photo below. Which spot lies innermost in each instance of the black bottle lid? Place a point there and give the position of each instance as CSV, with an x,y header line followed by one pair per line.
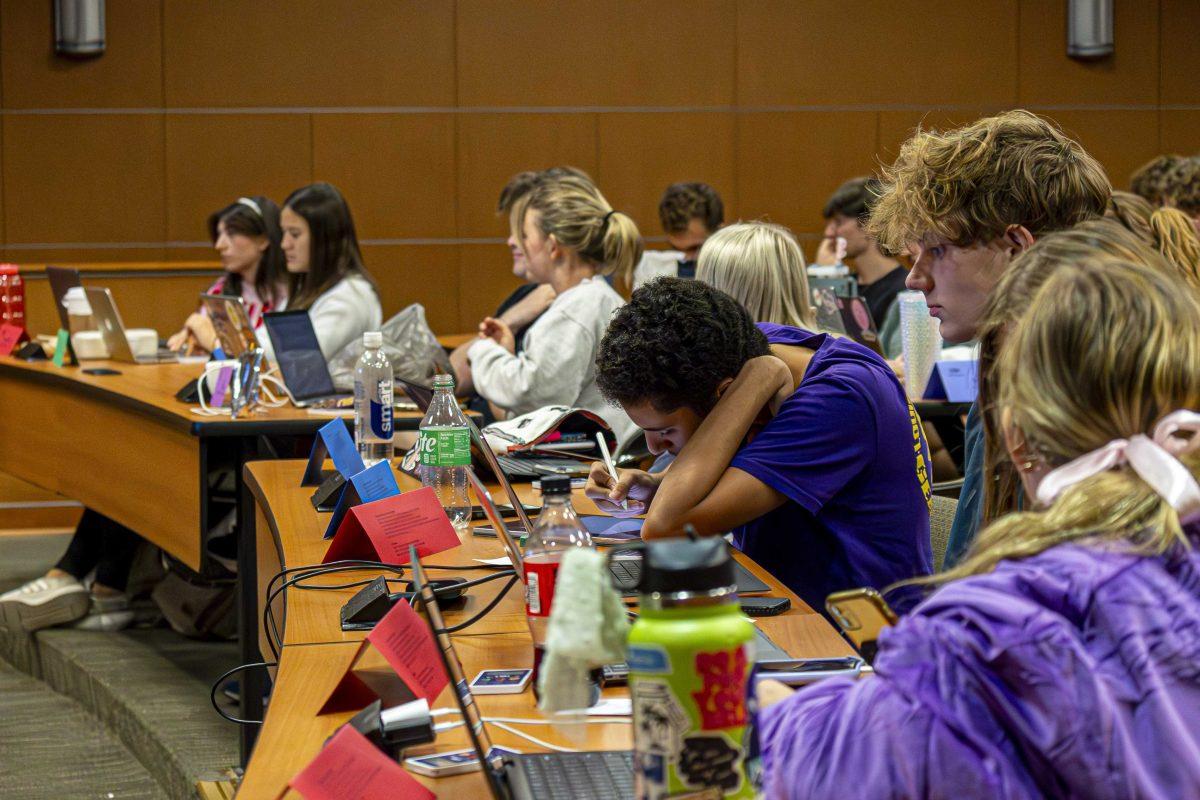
x,y
686,565
556,484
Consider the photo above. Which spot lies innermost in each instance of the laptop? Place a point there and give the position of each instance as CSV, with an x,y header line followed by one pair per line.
x,y
231,323
605,775
112,329
61,279
298,354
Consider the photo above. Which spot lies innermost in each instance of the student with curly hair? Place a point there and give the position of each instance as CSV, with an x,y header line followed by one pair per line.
x,y
964,203
1150,180
801,444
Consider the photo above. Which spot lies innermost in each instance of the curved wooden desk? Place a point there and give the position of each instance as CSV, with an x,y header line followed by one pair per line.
x,y
124,446
316,652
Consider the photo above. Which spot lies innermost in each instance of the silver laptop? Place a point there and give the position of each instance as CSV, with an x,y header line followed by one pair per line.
x,y
108,321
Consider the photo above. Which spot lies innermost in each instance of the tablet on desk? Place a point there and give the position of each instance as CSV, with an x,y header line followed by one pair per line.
x,y
298,353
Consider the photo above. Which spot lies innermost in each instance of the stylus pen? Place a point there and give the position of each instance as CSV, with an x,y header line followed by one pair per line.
x,y
609,465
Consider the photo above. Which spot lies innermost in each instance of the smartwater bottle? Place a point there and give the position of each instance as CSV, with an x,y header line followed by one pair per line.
x,y
373,401
445,452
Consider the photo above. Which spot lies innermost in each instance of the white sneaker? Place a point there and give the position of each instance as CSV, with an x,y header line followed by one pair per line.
x,y
106,614
43,602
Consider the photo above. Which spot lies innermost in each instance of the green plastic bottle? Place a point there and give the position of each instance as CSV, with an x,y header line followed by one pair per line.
x,y
691,663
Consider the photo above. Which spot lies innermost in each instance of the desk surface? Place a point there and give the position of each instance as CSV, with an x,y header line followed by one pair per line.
x,y
122,444
316,652
149,390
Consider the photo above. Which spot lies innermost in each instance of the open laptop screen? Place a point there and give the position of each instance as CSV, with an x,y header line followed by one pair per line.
x,y
471,715
299,355
231,323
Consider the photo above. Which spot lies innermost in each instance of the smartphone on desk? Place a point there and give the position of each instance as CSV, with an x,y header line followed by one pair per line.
x,y
477,512
861,614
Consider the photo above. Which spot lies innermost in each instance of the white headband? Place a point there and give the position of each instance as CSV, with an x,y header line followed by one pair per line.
x,y
250,204
1155,459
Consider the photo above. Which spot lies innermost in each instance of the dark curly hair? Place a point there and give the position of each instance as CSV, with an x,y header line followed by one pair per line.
x,y
673,343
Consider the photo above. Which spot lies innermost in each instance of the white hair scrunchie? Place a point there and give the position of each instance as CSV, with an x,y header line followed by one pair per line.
x,y
1154,458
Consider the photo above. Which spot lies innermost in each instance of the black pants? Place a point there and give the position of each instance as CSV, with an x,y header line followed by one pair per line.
x,y
104,545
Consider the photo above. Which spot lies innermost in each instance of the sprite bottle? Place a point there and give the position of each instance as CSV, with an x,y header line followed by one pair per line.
x,y
445,452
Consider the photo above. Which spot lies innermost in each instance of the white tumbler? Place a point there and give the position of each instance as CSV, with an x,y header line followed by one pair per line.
x,y
922,338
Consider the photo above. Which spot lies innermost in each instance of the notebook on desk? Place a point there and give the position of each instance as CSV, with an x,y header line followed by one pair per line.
x,y
601,774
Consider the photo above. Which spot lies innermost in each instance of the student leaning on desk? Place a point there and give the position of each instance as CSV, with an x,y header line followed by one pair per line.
x,y
803,445
1058,659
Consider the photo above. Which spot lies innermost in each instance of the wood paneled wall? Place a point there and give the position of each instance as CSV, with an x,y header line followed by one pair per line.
x,y
421,109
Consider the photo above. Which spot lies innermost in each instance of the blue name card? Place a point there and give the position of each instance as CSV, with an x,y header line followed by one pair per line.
x,y
369,485
333,440
954,381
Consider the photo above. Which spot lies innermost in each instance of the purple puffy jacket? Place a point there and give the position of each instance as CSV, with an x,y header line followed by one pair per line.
x,y
1071,674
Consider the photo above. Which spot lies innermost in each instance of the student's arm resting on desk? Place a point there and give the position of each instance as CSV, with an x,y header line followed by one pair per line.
x,y
700,488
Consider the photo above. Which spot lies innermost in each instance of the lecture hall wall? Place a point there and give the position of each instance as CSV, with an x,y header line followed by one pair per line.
x,y
420,110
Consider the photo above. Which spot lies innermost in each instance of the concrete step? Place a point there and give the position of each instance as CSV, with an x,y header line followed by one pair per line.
x,y
148,688
52,748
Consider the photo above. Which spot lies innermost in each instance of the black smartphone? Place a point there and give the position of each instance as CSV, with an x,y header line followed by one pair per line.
x,y
505,510
764,606
100,371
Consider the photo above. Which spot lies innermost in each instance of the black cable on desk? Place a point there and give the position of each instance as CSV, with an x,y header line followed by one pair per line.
x,y
274,640
212,694
494,602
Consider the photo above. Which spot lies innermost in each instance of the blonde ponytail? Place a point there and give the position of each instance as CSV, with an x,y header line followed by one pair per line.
x,y
581,219
621,248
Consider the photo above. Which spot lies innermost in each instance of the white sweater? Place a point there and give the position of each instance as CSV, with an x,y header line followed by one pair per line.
x,y
340,315
558,363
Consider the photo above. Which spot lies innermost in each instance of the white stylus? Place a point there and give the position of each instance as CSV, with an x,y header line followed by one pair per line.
x,y
608,463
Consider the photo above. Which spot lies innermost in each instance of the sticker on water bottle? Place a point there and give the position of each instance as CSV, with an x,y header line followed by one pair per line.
x,y
381,411
445,447
539,587
642,658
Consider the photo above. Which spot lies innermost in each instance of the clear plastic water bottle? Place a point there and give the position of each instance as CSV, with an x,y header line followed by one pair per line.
x,y
557,529
373,401
445,452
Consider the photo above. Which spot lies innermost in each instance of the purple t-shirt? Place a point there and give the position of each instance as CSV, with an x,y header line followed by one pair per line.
x,y
848,452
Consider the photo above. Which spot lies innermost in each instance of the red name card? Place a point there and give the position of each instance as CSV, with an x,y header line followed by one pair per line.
x,y
407,643
10,337
351,768
384,529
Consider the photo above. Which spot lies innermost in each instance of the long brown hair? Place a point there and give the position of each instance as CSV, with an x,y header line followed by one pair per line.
x,y
1106,349
334,252
1086,243
254,216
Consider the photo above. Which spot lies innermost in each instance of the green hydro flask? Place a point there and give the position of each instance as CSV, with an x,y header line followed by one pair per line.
x,y
691,662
